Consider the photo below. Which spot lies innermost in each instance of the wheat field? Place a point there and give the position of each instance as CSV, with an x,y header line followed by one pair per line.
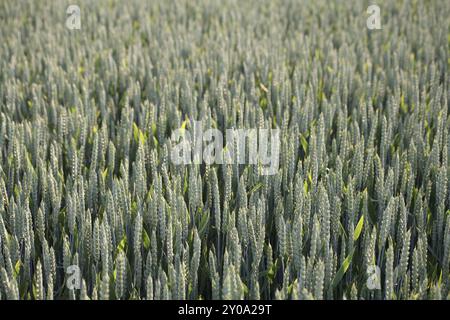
x,y
358,208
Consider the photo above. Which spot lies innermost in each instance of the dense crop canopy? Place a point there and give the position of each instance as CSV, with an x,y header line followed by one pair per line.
x,y
358,207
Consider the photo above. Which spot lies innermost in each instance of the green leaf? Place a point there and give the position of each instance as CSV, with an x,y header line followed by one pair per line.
x,y
245,289
304,143
292,286
185,122
145,239
358,228
122,244
343,232
186,184
203,223
104,173
256,187
139,136
305,186
272,270
342,270
17,268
